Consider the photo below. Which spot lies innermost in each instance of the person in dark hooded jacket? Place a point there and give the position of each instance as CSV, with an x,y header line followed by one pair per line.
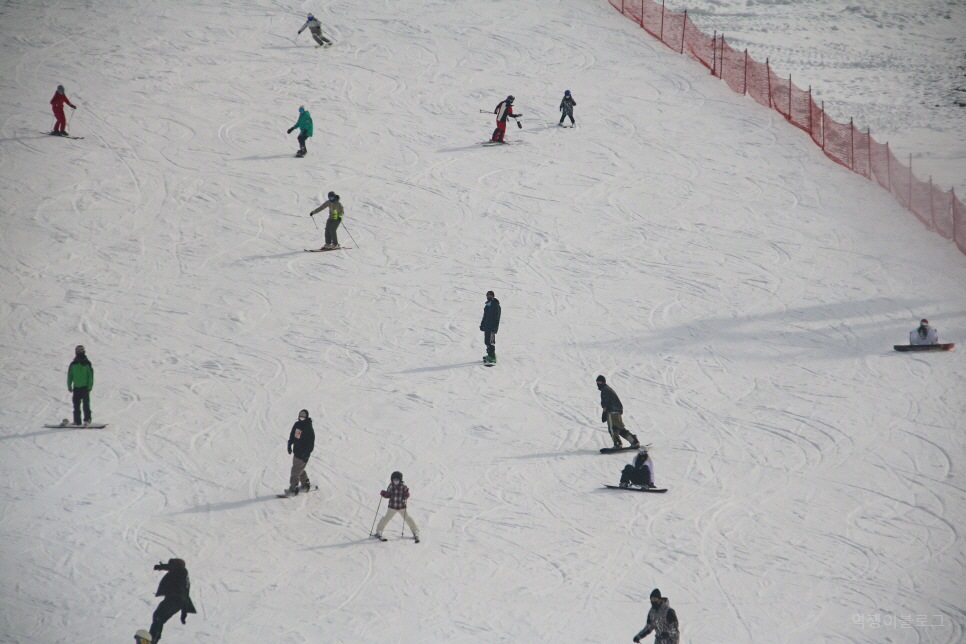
x,y
662,620
174,587
301,442
489,325
612,412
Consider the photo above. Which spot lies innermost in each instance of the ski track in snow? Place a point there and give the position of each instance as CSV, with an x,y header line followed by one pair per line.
x,y
740,292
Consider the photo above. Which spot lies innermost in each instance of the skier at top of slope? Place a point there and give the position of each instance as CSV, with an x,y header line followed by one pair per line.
x,y
504,111
315,28
925,334
662,620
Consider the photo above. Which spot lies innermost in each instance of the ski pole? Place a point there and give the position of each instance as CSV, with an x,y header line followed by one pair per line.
x,y
375,517
349,234
402,530
487,112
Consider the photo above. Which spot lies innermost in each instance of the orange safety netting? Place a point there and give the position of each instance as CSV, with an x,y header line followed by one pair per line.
x,y
939,210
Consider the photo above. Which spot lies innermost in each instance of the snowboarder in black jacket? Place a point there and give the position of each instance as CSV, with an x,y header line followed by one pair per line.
x,y
490,325
613,409
301,442
174,587
662,620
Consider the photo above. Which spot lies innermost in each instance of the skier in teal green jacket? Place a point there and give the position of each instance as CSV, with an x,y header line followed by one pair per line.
x,y
80,381
305,125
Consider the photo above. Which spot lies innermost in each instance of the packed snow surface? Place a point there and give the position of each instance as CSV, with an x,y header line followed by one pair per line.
x,y
741,293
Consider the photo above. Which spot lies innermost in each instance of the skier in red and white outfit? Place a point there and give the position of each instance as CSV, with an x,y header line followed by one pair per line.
x,y
57,103
503,111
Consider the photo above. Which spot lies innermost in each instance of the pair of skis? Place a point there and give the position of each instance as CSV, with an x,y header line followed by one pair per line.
x,y
62,136
383,538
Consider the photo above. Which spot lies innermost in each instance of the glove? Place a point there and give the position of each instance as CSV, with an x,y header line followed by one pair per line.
x,y
70,390
73,107
159,566
637,639
311,214
384,494
603,417
289,448
290,130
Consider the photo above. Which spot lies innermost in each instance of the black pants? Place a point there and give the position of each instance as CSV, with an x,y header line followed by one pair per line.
x,y
489,338
635,476
330,236
82,396
302,138
167,609
567,114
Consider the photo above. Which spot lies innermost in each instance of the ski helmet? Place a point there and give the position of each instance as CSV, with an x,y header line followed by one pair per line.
x,y
567,92
60,89
396,475
311,17
510,98
301,108
924,322
79,348
333,196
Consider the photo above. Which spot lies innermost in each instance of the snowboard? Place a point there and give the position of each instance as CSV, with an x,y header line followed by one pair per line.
x,y
627,448
292,496
64,423
637,489
489,144
63,137
559,125
325,250
924,347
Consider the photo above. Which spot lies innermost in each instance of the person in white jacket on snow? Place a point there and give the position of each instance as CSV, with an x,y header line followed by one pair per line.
x,y
640,471
925,334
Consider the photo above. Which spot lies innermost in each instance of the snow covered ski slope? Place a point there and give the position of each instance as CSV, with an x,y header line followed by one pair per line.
x,y
741,294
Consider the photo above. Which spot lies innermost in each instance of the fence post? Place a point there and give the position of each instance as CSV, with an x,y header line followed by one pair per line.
x,y
889,166
745,91
823,126
869,133
684,30
662,20
714,53
810,110
768,74
910,182
790,98
851,144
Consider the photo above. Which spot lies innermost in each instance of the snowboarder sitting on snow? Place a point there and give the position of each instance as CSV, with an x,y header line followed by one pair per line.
x,y
490,325
925,334
613,409
80,381
504,111
336,212
305,125
57,104
301,442
397,493
567,108
640,471
174,587
315,28
662,620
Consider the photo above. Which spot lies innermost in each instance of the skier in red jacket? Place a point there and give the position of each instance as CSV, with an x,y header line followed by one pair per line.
x,y
57,103
503,111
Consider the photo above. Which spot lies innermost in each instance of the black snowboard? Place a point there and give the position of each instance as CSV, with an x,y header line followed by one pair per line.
x,y
637,489
924,347
627,448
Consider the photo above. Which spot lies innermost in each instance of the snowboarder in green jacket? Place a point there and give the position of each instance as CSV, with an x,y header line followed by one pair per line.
x,y
305,125
80,381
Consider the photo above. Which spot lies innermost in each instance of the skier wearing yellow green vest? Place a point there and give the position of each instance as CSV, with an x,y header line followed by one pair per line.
x,y
305,125
336,211
80,381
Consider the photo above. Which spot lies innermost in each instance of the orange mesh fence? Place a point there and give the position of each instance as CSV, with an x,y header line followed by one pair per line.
x,y
939,210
